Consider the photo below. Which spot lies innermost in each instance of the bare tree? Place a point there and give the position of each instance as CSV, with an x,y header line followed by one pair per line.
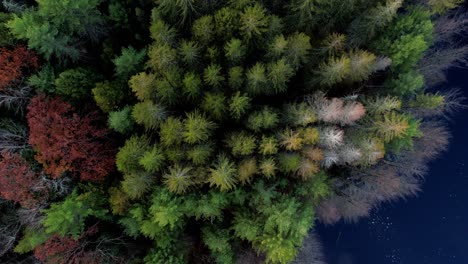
x,y
13,136
9,226
15,98
395,177
311,251
447,51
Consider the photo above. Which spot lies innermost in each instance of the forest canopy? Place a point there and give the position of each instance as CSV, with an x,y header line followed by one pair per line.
x,y
196,131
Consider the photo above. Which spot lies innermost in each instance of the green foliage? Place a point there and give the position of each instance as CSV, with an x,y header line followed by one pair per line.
x,y
268,167
6,38
239,105
223,174
428,101
162,57
217,240
247,113
203,29
279,73
361,65
291,140
171,132
299,114
160,32
212,75
200,154
289,162
129,62
406,39
392,125
44,80
257,79
178,179
334,71
197,128
286,224
406,84
53,27
189,52
153,160
128,157
236,78
214,104
149,114
405,142
108,95
118,13
365,27
235,51
166,209
241,144
247,168
169,256
227,22
136,184
264,119
381,105
121,121
297,50
191,85
254,22
31,239
75,83
442,6
268,145
68,217
118,200
208,206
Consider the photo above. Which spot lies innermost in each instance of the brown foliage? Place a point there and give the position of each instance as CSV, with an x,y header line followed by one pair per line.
x,y
66,142
14,64
58,250
17,180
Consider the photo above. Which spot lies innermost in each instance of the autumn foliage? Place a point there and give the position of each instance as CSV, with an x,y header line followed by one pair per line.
x,y
67,142
59,249
14,63
17,180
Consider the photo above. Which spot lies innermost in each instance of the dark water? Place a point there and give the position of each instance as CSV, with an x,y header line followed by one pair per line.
x,y
429,229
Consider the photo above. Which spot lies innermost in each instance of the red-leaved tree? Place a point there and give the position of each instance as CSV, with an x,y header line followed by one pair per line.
x,y
67,142
14,63
57,250
89,248
18,183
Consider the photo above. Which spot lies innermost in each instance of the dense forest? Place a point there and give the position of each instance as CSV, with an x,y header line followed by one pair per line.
x,y
203,131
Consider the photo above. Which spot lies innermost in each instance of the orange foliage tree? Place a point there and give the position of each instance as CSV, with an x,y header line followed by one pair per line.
x,y
14,63
67,250
18,183
67,142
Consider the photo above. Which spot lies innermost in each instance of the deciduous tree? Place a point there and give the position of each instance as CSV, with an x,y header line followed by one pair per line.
x,y
67,142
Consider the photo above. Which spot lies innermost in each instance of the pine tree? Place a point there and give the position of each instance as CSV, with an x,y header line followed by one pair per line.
x,y
223,174
197,128
254,22
178,179
129,62
239,105
241,144
148,114
68,217
121,121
